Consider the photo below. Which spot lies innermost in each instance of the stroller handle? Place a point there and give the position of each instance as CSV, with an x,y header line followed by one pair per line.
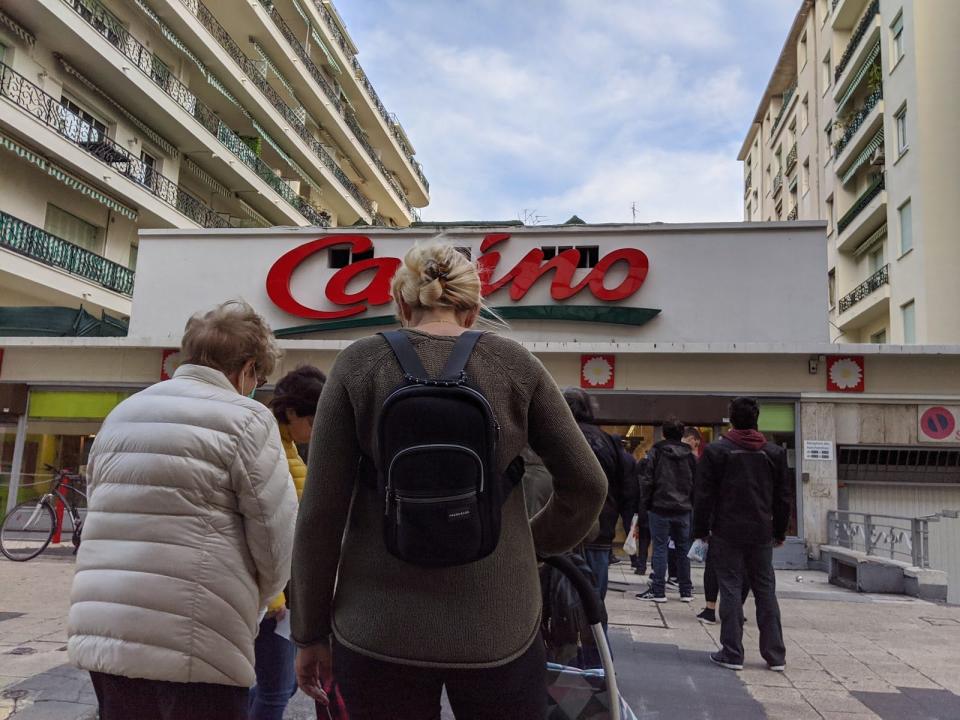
x,y
588,594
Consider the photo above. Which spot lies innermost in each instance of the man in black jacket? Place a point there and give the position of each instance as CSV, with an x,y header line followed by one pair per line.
x,y
666,495
743,507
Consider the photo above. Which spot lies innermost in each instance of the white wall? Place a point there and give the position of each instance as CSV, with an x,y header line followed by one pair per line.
x,y
733,282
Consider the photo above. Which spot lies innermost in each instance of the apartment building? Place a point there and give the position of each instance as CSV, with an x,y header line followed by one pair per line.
x,y
123,115
858,127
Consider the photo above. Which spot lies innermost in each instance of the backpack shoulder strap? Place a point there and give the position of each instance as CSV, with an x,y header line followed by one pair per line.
x,y
457,363
406,355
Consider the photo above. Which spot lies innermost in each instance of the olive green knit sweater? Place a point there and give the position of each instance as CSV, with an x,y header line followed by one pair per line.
x,y
478,615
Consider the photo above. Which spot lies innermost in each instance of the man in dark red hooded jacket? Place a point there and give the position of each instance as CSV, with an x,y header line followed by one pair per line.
x,y
743,495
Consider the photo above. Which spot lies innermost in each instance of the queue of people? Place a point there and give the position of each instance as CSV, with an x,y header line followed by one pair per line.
x,y
218,571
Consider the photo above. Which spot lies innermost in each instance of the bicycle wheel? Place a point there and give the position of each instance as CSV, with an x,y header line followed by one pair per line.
x,y
27,530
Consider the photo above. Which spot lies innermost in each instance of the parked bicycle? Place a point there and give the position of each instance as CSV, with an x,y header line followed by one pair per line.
x,y
32,526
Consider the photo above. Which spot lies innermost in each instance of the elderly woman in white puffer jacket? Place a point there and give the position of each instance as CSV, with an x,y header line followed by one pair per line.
x,y
188,532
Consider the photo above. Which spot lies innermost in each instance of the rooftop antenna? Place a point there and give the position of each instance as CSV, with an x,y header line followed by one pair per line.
x,y
633,211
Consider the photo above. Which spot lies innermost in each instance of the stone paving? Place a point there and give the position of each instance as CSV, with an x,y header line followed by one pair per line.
x,y
849,656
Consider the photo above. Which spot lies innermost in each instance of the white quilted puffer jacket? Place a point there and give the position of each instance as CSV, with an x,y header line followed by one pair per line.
x,y
188,534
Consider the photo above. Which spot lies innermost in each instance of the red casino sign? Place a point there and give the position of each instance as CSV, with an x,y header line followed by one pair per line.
x,y
519,279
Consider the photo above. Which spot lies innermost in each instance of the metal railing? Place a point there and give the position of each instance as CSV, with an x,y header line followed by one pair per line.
x,y
874,189
791,158
777,182
898,538
389,118
794,213
747,183
250,69
48,110
856,38
108,25
787,97
33,242
322,81
857,120
873,283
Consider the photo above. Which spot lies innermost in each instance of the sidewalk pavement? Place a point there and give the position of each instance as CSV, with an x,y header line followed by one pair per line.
x,y
849,656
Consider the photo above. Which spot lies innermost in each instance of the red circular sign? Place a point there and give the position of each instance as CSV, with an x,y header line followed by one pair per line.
x,y
938,423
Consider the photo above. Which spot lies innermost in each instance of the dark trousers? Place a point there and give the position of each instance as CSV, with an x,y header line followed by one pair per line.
x,y
734,563
711,588
376,690
123,698
276,679
663,529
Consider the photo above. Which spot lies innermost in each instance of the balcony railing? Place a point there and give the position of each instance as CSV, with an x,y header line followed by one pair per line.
x,y
791,158
787,97
876,281
794,213
389,118
322,81
33,242
874,189
250,69
857,120
856,38
105,23
777,183
48,110
747,183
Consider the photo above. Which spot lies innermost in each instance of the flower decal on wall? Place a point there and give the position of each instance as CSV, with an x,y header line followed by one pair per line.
x,y
597,371
846,374
169,363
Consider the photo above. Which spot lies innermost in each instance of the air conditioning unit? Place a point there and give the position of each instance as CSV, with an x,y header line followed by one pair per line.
x,y
877,158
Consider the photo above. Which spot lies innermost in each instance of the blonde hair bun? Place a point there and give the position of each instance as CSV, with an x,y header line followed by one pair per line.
x,y
437,275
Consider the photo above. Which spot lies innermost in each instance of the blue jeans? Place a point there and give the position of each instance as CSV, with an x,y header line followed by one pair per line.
x,y
276,679
599,562
663,529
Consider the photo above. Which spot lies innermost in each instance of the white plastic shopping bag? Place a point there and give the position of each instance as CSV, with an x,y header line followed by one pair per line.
x,y
698,551
630,544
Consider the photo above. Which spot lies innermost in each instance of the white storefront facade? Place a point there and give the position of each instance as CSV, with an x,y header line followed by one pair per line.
x,y
654,320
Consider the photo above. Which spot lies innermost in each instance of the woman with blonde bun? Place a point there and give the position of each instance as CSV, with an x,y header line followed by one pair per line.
x,y
393,634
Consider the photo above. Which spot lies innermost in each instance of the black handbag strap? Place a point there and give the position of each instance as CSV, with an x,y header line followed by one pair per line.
x,y
457,363
410,362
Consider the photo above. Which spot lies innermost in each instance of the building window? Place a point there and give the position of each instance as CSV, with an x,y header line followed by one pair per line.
x,y
71,228
828,132
132,259
823,11
79,124
896,38
879,338
909,323
749,214
342,256
3,51
832,288
827,73
804,113
146,171
802,52
805,177
906,227
589,254
876,260
901,118
829,214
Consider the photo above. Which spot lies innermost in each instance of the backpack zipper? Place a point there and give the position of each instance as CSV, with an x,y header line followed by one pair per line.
x,y
413,448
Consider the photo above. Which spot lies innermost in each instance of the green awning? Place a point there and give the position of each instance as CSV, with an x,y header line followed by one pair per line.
x,y
66,178
876,237
331,61
863,157
211,182
858,78
17,29
57,322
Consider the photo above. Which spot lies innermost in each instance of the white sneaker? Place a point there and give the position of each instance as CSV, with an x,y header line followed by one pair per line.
x,y
686,598
777,668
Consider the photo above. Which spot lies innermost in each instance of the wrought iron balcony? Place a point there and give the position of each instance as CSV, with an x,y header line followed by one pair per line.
x,y
794,213
791,158
777,183
874,189
787,97
332,95
48,110
108,25
857,120
876,281
747,183
250,69
35,243
856,38
389,118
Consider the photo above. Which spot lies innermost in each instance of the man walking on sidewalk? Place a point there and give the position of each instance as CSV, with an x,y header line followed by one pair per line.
x,y
666,492
742,507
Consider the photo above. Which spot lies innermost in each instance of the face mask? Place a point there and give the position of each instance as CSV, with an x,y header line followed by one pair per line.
x,y
254,390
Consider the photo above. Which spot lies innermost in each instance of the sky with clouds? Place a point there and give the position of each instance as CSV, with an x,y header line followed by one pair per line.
x,y
556,107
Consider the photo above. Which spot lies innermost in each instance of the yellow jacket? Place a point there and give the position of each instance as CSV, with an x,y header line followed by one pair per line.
x,y
298,471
